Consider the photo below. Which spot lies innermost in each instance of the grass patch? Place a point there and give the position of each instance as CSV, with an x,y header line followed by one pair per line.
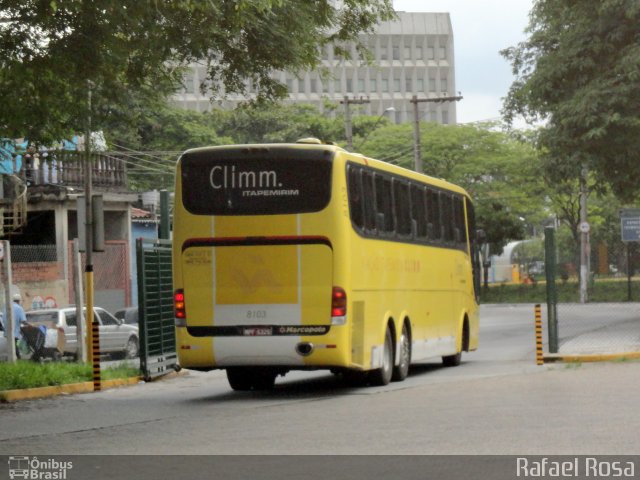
x,y
27,374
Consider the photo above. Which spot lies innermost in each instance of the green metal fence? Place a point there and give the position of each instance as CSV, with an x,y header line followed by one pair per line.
x,y
604,321
155,303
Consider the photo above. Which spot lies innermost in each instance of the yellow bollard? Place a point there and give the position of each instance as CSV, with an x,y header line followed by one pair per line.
x,y
95,348
539,353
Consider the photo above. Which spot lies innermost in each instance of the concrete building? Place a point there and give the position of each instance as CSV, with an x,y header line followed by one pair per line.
x,y
412,55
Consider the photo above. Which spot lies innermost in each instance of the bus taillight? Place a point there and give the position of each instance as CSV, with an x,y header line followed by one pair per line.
x,y
338,306
179,308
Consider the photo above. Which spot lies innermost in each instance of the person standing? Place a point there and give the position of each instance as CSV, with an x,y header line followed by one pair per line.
x,y
19,317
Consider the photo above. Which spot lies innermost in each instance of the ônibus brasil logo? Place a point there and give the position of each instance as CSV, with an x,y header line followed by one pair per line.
x,y
33,468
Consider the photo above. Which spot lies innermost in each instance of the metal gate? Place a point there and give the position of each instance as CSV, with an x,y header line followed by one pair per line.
x,y
155,303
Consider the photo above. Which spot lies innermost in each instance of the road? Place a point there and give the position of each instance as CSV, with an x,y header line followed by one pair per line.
x,y
497,402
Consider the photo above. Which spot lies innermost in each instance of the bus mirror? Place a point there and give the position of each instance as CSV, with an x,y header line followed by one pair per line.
x,y
481,236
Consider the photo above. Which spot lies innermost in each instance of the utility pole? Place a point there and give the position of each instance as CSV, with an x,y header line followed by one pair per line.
x,y
9,320
585,247
347,116
416,125
88,228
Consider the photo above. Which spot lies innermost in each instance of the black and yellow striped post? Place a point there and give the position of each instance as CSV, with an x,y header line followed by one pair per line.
x,y
539,353
95,349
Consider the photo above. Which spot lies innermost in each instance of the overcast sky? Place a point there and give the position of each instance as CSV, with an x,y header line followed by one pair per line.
x,y
481,28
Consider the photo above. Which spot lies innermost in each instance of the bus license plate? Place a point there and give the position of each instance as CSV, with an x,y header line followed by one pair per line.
x,y
258,331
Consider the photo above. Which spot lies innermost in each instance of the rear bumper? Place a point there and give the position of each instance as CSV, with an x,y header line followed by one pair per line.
x,y
284,347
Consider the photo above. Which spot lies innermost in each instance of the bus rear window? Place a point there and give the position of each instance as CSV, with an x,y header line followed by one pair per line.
x,y
264,181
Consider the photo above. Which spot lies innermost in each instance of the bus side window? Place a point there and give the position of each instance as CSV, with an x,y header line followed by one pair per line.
x,y
460,231
355,196
402,208
433,212
384,213
447,217
369,202
418,211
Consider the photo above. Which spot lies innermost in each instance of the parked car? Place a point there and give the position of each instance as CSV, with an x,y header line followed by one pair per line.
x,y
115,336
128,315
4,348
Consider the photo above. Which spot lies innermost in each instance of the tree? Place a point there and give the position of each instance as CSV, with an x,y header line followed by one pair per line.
x,y
279,123
580,71
133,51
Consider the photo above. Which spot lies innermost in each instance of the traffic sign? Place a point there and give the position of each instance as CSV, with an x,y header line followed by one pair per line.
x,y
584,227
630,225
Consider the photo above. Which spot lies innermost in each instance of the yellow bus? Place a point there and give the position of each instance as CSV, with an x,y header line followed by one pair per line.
x,y
307,256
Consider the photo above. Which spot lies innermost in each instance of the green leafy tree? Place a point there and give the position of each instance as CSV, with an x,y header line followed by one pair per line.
x,y
579,70
279,123
132,52
161,133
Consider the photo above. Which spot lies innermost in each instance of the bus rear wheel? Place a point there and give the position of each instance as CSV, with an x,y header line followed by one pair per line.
x,y
247,378
382,376
401,371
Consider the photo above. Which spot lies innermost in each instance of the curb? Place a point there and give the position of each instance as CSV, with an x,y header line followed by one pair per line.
x,y
43,392
595,357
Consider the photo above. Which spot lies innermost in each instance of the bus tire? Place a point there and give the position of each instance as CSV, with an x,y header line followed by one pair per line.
x,y
240,379
264,378
382,375
401,370
243,379
452,360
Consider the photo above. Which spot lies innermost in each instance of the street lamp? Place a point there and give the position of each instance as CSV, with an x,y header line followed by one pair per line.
x,y
389,109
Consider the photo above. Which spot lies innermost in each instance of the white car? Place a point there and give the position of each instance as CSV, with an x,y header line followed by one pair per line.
x,y
4,349
116,337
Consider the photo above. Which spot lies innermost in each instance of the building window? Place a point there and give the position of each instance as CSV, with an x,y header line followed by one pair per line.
x,y
313,85
385,84
431,53
290,85
301,85
443,53
445,117
325,86
337,86
419,85
418,53
361,85
384,55
349,85
444,84
396,85
407,53
432,84
188,83
373,87
408,85
396,52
